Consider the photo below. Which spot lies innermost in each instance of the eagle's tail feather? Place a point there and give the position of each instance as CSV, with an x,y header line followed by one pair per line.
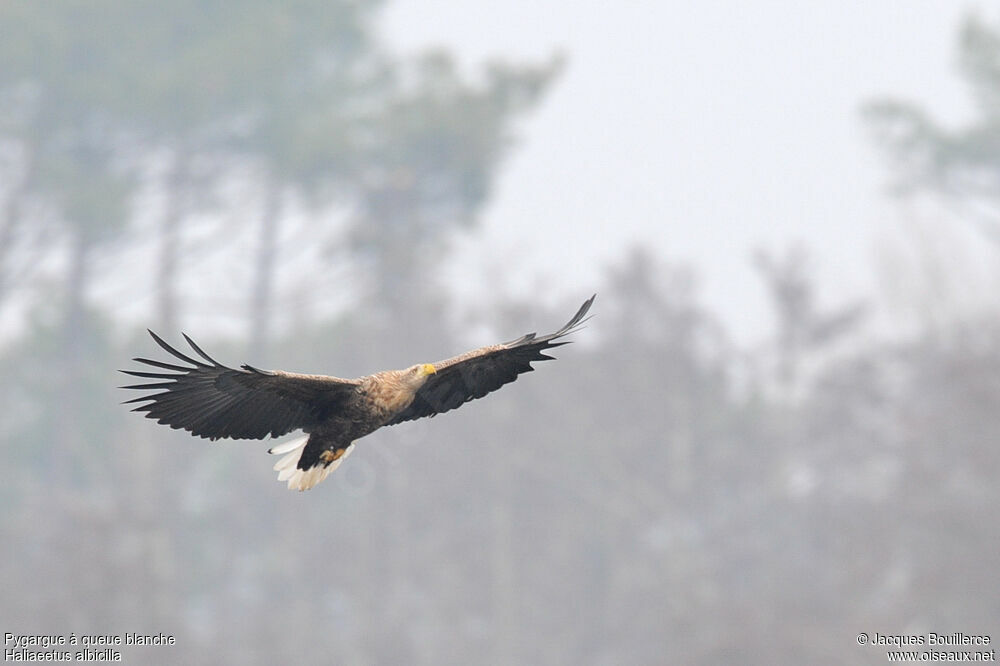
x,y
287,466
290,445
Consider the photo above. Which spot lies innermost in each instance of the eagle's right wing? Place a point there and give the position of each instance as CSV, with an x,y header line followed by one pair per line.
x,y
481,371
214,401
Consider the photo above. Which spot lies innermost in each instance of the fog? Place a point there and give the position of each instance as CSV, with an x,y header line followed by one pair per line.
x,y
778,432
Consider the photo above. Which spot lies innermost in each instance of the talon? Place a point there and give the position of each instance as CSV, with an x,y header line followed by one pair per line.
x,y
331,456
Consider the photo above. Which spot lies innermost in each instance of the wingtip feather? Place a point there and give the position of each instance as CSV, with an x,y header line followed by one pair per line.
x,y
199,350
160,341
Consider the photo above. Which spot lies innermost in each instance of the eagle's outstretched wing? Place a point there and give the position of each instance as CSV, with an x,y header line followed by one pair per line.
x,y
480,371
213,401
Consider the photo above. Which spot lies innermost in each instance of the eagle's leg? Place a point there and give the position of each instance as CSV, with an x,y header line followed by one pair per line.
x,y
330,456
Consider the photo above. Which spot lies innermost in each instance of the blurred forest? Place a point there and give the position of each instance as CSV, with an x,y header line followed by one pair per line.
x,y
279,185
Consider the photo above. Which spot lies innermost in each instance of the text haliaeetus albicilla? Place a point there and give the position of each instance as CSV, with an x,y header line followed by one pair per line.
x,y
210,400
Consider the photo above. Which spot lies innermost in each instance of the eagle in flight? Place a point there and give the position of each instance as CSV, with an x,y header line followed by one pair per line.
x,y
211,400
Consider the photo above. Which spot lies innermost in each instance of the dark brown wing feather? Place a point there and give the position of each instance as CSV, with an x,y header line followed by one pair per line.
x,y
210,400
480,371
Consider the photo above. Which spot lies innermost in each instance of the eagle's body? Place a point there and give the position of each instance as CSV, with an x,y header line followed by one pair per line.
x,y
213,401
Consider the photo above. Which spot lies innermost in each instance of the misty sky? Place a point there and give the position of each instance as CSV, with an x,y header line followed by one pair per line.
x,y
703,130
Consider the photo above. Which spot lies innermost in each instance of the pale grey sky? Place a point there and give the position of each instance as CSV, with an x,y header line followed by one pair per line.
x,y
702,130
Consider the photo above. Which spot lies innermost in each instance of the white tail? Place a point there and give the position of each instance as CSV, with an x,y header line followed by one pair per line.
x,y
302,479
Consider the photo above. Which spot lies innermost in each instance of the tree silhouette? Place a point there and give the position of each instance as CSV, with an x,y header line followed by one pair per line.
x,y
962,164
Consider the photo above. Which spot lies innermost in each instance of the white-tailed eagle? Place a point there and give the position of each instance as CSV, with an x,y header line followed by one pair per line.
x,y
211,400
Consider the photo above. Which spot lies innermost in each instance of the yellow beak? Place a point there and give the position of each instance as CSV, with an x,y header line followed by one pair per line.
x,y
429,369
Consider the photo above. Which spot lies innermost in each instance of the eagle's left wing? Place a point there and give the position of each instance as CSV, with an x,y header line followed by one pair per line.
x,y
480,371
211,400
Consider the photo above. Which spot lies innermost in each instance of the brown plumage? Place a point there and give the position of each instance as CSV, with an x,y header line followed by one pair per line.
x,y
211,400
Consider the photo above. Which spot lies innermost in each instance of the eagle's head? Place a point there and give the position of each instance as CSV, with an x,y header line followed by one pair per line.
x,y
415,376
